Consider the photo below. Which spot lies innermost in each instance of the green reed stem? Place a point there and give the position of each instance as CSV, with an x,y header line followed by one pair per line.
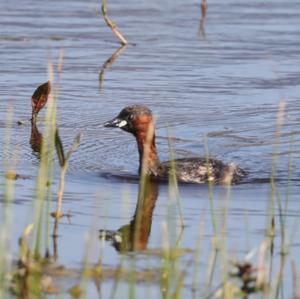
x,y
280,277
284,209
223,244
6,221
210,188
283,220
212,262
173,183
197,255
273,191
132,278
46,167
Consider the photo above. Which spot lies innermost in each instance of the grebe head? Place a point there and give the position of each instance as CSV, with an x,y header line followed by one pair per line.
x,y
39,99
138,120
133,119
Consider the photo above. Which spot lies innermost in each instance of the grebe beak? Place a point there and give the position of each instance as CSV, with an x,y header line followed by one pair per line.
x,y
116,123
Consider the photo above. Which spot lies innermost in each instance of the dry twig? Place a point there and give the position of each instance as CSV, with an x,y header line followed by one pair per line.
x,y
111,24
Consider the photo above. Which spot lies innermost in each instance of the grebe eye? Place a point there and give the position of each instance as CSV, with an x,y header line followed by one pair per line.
x,y
131,116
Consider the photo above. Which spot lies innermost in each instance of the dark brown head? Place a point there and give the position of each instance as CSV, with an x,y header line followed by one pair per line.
x,y
39,98
133,119
138,120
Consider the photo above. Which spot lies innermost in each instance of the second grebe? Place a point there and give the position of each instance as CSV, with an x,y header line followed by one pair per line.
x,y
138,120
39,99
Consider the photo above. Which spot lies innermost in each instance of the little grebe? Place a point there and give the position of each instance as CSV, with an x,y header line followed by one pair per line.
x,y
39,99
138,120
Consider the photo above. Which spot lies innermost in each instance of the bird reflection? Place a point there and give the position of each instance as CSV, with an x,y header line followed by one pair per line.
x,y
38,101
36,139
134,236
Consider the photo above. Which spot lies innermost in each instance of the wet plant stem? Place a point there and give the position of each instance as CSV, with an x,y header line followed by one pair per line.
x,y
210,189
222,245
117,280
6,219
111,24
203,8
60,193
284,209
270,230
280,278
44,179
132,279
64,163
295,280
211,270
173,180
197,256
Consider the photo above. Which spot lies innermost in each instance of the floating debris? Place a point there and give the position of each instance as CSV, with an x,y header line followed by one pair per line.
x,y
12,175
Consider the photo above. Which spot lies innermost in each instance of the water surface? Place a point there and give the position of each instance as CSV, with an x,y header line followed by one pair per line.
x,y
224,81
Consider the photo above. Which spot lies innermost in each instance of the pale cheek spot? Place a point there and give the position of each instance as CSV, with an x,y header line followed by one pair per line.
x,y
122,123
118,238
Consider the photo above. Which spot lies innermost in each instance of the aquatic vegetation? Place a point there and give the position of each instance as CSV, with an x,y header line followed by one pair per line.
x,y
131,238
37,270
63,162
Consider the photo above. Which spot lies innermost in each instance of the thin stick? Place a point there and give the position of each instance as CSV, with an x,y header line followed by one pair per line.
x,y
108,63
294,281
201,31
58,213
111,24
203,8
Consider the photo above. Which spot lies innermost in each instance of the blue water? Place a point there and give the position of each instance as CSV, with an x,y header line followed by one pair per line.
x,y
224,82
